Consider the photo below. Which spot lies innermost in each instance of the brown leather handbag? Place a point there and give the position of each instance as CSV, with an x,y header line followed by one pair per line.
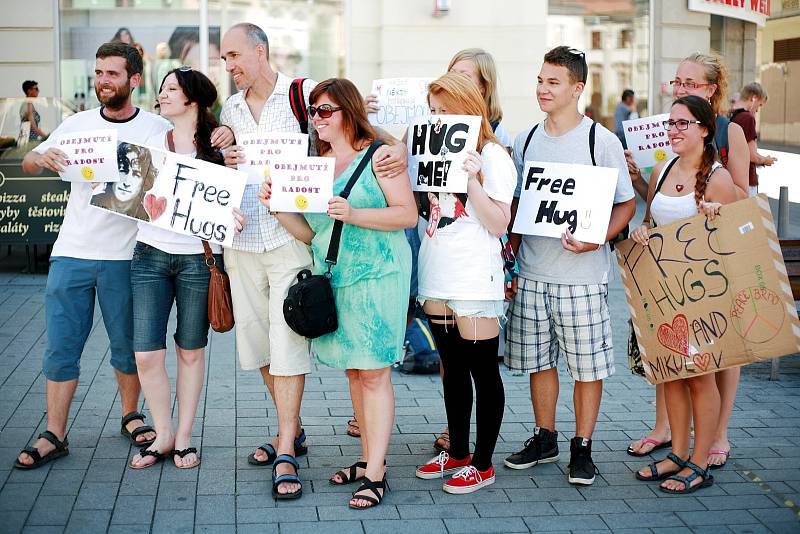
x,y
220,305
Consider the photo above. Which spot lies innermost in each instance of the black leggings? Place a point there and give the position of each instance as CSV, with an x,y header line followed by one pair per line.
x,y
465,361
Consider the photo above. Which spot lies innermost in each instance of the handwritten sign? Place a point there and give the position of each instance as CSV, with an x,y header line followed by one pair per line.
x,y
302,185
647,140
709,295
91,156
401,101
176,193
559,196
261,148
437,148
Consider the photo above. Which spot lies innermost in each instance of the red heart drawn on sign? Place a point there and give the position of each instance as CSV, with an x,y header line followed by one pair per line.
x,y
154,206
702,361
675,336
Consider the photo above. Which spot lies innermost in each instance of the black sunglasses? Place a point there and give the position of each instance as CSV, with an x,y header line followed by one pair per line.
x,y
325,111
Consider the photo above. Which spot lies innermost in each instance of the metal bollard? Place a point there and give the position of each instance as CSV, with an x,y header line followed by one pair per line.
x,y
783,229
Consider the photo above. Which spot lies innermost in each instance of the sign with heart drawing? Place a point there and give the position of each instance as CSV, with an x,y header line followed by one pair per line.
x,y
709,295
176,193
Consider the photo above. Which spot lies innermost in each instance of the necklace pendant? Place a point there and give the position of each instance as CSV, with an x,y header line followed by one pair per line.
x,y
679,187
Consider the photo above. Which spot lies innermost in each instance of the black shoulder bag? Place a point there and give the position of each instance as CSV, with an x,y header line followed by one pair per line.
x,y
309,307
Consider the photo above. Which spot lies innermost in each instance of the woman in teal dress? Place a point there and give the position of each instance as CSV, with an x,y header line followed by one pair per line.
x,y
370,280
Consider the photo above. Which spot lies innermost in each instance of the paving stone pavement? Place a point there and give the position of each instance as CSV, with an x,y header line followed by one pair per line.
x,y
91,490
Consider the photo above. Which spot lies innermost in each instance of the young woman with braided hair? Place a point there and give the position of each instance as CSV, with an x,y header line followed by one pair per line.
x,y
691,182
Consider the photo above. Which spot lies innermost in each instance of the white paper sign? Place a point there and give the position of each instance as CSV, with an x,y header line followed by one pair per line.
x,y
261,148
647,140
176,193
560,196
402,100
437,147
302,185
91,156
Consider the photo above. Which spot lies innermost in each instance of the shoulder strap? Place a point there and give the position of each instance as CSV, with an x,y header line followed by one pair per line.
x,y
528,141
714,168
591,142
298,103
494,125
336,234
664,174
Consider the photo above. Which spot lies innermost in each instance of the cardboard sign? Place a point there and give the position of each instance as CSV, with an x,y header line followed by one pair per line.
x,y
91,156
709,295
302,185
261,148
647,140
557,196
437,148
176,193
402,101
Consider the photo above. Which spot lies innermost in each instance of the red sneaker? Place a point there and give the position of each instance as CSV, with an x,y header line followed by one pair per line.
x,y
469,479
442,465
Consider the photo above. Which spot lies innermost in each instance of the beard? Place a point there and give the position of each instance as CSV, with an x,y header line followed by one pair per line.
x,y
118,99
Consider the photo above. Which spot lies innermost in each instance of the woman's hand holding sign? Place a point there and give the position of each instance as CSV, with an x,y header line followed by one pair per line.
x,y
234,155
710,209
265,192
472,164
641,234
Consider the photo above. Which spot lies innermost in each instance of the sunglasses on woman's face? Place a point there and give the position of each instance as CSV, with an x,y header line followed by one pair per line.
x,y
325,111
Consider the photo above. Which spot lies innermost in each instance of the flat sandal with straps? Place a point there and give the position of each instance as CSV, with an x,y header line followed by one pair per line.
x,y
373,487
138,431
61,449
655,475
349,476
697,472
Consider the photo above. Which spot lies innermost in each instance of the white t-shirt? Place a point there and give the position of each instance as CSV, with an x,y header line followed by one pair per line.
x,y
167,240
459,258
91,233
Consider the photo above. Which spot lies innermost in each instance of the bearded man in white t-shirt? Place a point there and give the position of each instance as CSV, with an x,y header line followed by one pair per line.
x,y
91,257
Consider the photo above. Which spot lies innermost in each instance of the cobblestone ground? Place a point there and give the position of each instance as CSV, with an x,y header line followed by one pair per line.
x,y
91,490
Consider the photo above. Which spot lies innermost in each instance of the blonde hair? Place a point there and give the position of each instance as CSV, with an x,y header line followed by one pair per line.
x,y
717,74
488,73
461,97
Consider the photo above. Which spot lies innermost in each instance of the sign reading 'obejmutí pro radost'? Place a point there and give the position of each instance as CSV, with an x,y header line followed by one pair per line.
x,y
437,148
647,140
261,148
401,101
91,156
302,185
559,196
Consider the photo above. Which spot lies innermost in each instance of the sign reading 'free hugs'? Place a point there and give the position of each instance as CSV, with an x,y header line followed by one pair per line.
x,y
709,295
437,148
559,196
176,193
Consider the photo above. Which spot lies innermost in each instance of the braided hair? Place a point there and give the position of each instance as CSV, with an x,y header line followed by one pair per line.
x,y
702,111
199,89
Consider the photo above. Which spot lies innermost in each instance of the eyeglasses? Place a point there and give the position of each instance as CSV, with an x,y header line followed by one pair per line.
x,y
687,85
325,111
680,124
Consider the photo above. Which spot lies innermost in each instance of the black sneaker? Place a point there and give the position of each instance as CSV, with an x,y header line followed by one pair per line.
x,y
542,448
581,467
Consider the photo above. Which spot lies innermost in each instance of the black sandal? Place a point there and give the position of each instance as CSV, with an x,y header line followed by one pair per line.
x,y
184,452
138,431
349,476
144,452
374,487
300,449
39,460
277,480
655,475
698,471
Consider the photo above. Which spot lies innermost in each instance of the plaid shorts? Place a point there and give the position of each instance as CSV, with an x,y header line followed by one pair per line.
x,y
548,320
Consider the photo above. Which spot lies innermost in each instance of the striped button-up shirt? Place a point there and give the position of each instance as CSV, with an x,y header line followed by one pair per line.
x,y
263,232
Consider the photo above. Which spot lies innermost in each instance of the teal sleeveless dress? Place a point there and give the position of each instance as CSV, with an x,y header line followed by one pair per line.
x,y
371,282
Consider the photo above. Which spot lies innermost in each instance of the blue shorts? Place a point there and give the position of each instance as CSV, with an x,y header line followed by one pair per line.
x,y
72,285
158,279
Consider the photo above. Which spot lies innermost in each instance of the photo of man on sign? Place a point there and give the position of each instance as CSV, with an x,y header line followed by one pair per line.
x,y
137,176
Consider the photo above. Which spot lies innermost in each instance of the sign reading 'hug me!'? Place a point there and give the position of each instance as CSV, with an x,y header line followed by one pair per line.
x,y
437,148
709,295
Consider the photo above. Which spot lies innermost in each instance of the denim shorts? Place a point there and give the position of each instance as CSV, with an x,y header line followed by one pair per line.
x,y
495,309
72,285
158,279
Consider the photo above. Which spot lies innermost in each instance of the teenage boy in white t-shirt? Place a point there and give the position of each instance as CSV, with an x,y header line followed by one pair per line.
x,y
560,307
91,256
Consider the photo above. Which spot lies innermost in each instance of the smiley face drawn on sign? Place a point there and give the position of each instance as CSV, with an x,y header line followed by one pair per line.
x,y
301,202
660,154
87,173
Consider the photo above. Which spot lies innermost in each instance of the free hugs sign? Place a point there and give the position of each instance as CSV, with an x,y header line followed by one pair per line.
x,y
559,196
